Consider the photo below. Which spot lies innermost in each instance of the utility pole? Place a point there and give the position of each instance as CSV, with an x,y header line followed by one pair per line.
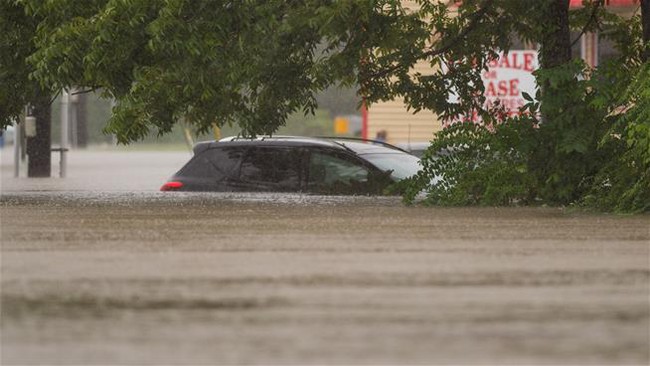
x,y
73,99
65,131
18,145
82,120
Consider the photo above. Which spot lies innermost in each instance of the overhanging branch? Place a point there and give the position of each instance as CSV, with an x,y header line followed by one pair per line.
x,y
473,23
592,18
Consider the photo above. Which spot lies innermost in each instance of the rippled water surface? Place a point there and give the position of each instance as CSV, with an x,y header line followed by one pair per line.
x,y
101,268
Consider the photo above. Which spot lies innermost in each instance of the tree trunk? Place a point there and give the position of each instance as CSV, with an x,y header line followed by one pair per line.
x,y
645,23
38,147
556,43
555,48
554,167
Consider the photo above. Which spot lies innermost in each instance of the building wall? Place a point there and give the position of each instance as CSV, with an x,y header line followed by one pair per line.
x,y
400,124
391,116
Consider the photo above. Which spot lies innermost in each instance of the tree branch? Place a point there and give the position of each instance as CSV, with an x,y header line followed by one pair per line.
x,y
473,23
645,26
53,98
86,91
592,18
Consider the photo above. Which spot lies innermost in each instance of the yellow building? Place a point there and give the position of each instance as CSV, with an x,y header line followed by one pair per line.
x,y
401,125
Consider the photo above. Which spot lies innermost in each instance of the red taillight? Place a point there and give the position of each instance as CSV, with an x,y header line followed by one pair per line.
x,y
171,186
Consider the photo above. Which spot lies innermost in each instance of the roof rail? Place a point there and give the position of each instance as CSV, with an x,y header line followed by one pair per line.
x,y
360,139
261,137
332,139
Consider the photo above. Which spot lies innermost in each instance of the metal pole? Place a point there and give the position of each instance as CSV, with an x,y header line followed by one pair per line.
x,y
17,140
65,114
73,99
23,141
113,104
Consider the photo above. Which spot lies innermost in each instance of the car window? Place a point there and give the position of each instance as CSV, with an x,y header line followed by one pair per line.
x,y
279,167
335,173
217,164
401,165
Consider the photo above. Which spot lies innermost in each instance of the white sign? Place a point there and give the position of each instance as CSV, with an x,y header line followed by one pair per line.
x,y
507,78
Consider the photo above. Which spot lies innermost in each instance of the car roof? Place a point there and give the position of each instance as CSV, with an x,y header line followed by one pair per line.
x,y
356,145
368,147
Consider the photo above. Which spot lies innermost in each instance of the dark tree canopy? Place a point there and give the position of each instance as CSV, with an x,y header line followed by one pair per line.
x,y
16,44
251,63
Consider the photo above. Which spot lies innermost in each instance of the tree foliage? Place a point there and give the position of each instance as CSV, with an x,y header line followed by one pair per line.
x,y
251,63
16,44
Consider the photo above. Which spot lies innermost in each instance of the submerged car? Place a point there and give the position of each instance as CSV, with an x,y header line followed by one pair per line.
x,y
294,164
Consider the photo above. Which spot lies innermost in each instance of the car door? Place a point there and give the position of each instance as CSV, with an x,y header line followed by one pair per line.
x,y
339,173
272,169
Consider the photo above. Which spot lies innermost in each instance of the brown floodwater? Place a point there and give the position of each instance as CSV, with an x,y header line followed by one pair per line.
x,y
99,268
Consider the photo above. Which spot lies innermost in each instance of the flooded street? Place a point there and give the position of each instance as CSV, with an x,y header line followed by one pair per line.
x,y
101,268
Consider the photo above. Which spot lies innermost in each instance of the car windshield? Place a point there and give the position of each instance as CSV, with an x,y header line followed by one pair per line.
x,y
402,165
